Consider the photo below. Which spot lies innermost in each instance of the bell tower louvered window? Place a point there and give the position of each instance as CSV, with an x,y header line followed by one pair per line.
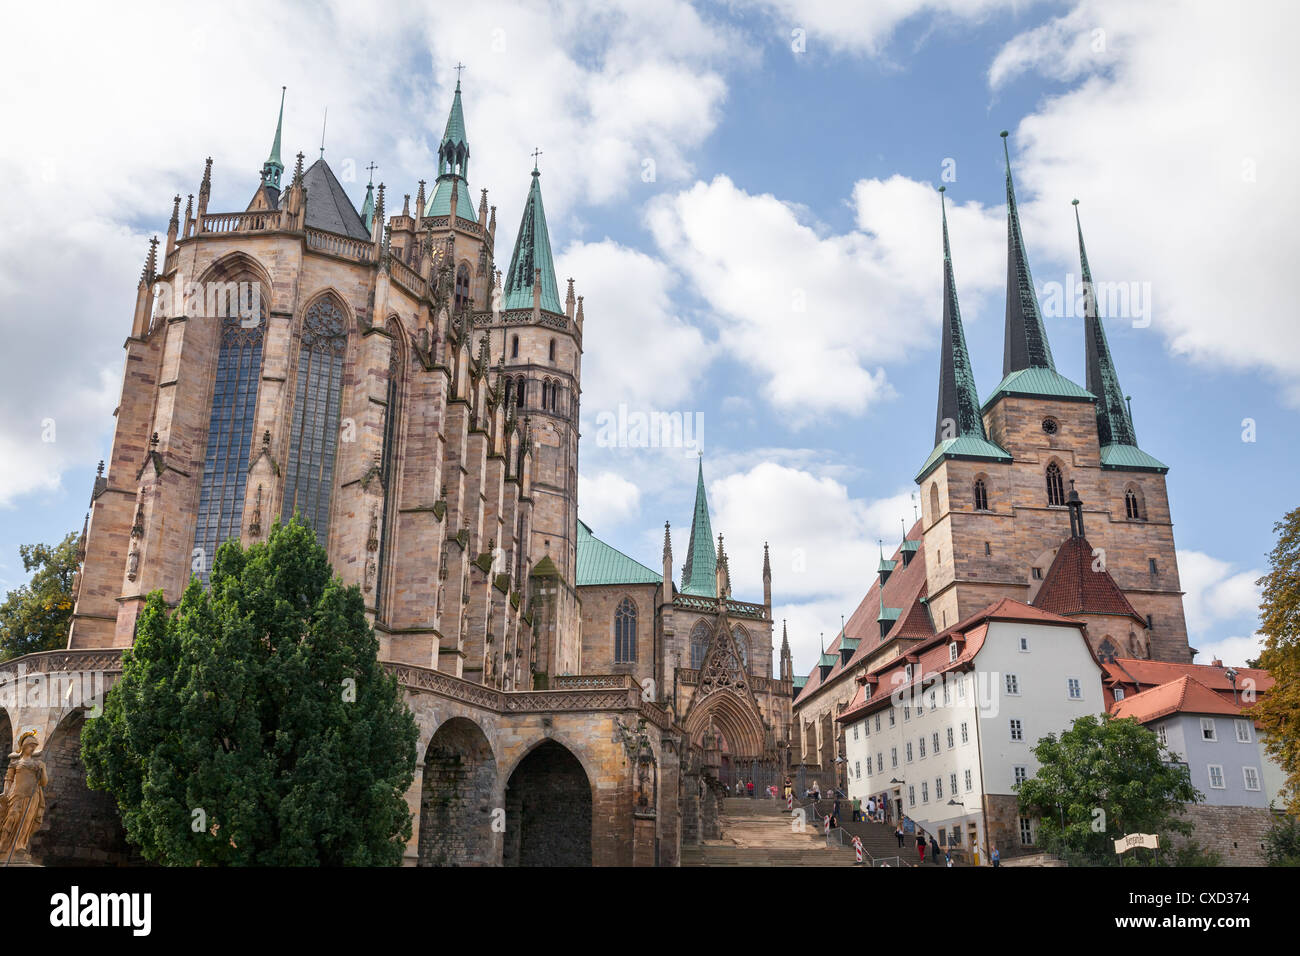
x,y
314,432
230,434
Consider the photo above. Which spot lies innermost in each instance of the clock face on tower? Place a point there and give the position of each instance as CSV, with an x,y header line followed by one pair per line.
x,y
1050,426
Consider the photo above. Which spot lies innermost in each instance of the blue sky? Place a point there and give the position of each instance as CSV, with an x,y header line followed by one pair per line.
x,y
778,275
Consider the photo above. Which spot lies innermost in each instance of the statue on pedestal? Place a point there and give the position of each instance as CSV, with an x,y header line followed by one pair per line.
x,y
23,799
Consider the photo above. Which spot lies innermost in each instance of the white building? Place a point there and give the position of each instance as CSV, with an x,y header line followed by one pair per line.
x,y
946,731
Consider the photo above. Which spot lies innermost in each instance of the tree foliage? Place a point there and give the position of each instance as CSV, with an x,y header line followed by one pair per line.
x,y
1278,714
1101,779
255,725
35,616
1282,843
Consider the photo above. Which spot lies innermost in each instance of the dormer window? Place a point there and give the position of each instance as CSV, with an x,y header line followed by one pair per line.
x,y
953,651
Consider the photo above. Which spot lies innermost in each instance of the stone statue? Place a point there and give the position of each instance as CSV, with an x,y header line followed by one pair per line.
x,y
23,799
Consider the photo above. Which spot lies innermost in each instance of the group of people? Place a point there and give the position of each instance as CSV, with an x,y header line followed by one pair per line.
x,y
994,857
742,788
873,812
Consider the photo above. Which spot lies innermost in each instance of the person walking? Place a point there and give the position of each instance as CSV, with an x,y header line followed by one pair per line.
x,y
920,845
898,832
934,849
996,857
750,788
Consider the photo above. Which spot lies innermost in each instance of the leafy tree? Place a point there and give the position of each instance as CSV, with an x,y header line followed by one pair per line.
x,y
1099,780
1278,714
1282,843
255,725
35,616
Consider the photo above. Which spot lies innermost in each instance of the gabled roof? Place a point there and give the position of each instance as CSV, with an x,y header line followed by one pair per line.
x,y
328,206
532,251
1072,587
1186,695
1140,675
598,563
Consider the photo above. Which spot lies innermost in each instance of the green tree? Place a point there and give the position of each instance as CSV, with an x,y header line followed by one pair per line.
x,y
1282,843
255,725
35,616
1099,780
1278,714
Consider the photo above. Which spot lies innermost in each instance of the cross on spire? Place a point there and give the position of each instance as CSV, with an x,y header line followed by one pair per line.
x,y
536,152
459,66
372,167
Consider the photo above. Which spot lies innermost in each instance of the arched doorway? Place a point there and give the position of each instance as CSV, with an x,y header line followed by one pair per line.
x,y
548,810
457,796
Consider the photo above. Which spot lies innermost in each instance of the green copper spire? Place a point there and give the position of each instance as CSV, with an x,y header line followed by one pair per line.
x,y
1114,421
959,405
532,252
273,169
1026,338
453,166
699,574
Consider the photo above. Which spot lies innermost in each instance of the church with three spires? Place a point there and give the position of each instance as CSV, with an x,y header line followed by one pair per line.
x,y
1040,494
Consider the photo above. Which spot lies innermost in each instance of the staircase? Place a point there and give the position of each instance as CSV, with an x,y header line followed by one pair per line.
x,y
758,832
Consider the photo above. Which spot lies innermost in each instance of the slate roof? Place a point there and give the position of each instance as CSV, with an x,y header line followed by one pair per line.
x,y
1186,695
598,563
1072,587
328,206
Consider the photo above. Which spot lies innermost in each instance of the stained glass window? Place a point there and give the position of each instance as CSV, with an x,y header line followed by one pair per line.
x,y
314,432
625,632
230,433
742,645
699,644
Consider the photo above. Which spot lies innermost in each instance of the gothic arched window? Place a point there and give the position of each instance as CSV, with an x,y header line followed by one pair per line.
x,y
514,346
462,286
520,390
934,502
230,434
699,644
552,350
314,430
981,495
1055,486
741,638
625,632
1107,652
1131,509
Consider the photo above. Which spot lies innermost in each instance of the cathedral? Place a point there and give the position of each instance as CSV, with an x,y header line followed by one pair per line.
x,y
376,373
1040,494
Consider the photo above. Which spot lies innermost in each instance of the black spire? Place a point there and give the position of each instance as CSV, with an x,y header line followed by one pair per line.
x,y
1114,421
1026,338
959,406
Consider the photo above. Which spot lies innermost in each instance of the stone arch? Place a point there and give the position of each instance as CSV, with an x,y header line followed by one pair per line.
x,y
734,717
982,493
457,797
934,502
235,264
1054,481
329,292
549,799
1135,505
81,826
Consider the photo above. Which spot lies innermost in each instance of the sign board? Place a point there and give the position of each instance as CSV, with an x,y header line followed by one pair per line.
x,y
909,825
1146,840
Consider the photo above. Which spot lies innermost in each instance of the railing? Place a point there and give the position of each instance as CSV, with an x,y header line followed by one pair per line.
x,y
406,277
224,222
345,247
106,660
591,681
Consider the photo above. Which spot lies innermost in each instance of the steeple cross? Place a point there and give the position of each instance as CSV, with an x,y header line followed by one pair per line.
x,y
372,167
536,153
459,66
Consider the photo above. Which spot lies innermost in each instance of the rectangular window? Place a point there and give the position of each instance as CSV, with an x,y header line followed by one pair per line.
x,y
1151,563
907,712
880,762
932,704
969,785
1017,731
952,783
947,693
1038,574
1216,776
920,704
925,792
965,737
1026,831
952,652
893,757
961,687
911,796
950,738
1075,688
1021,775
909,751
907,672
955,839
1251,777
1243,731
1024,645
855,731
857,768
1013,684
938,788
1207,729
891,717
1119,693
921,743
934,740
891,723
1163,733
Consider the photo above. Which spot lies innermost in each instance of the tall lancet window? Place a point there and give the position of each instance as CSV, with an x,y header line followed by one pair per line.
x,y
314,432
388,463
230,435
741,638
625,632
699,644
981,495
1055,486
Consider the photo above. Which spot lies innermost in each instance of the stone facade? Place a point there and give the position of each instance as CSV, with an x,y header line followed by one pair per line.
x,y
1237,834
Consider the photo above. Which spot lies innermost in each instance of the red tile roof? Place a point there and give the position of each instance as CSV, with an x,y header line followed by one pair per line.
x,y
1186,695
1073,587
1136,676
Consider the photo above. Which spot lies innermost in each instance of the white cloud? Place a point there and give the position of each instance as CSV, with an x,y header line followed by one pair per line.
x,y
1214,593
1172,141
818,316
1233,651
637,349
607,500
